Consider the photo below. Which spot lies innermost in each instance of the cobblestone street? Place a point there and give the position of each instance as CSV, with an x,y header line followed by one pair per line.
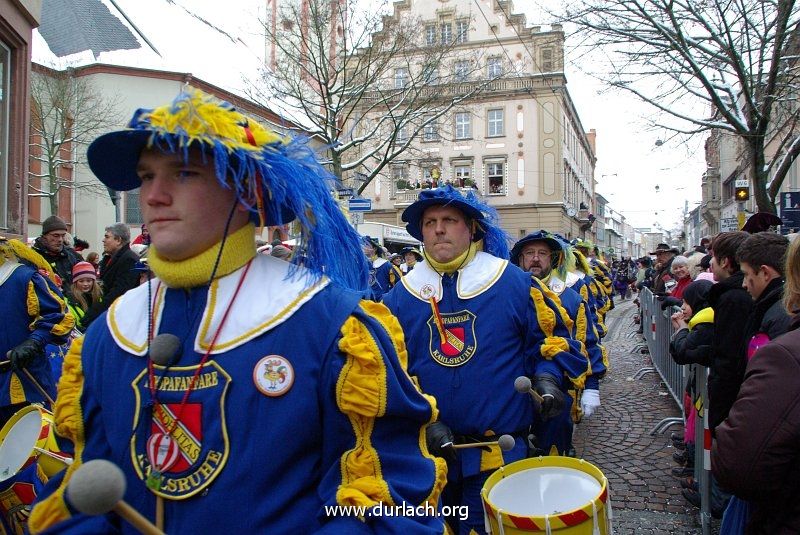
x,y
646,497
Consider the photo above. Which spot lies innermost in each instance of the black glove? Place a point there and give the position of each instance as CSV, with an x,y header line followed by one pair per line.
x,y
553,403
667,302
439,439
25,353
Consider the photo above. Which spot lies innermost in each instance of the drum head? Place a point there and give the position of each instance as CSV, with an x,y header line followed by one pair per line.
x,y
19,440
544,491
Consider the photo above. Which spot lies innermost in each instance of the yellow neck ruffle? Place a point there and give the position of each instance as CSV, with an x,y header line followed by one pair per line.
x,y
461,260
240,248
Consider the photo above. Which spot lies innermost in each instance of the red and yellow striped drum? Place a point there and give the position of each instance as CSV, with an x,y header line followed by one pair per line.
x,y
558,495
28,437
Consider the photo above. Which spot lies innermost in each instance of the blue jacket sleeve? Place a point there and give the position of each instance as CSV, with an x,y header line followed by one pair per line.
x,y
374,428
554,350
51,319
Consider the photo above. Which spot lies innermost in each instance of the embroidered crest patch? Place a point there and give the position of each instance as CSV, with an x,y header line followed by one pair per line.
x,y
459,343
273,375
182,447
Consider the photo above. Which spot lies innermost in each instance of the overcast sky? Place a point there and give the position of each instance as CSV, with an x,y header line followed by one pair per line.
x,y
233,45
627,148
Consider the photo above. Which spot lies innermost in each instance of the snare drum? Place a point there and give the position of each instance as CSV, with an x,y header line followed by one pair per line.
x,y
28,437
559,495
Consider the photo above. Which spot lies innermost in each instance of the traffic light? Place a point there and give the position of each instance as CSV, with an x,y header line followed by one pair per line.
x,y
742,193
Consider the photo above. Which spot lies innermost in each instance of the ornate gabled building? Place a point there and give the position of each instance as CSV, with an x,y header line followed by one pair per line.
x,y
518,142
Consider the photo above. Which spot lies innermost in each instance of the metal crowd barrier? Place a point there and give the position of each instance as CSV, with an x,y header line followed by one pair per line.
x,y
657,331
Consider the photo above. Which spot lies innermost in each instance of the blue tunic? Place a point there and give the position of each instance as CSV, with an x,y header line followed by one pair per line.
x,y
285,418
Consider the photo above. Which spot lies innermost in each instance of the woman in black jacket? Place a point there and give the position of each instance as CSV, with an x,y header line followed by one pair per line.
x,y
694,324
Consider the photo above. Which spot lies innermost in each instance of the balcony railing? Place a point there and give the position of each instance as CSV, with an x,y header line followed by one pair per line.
x,y
408,196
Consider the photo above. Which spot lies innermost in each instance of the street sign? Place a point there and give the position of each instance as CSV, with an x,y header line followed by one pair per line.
x,y
790,211
359,205
356,218
728,224
345,193
741,183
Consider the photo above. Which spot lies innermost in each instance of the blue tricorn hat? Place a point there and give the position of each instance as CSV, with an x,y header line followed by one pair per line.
x,y
542,235
495,239
277,177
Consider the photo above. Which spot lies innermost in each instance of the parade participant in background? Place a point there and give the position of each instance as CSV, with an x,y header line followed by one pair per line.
x,y
51,246
582,281
35,318
411,256
335,419
547,258
474,323
383,275
85,291
34,315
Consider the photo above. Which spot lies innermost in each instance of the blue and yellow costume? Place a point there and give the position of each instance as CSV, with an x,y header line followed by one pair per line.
x,y
297,396
32,307
555,435
471,331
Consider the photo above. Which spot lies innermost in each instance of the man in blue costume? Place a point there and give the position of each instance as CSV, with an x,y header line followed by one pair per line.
x,y
547,258
383,275
474,323
287,396
35,315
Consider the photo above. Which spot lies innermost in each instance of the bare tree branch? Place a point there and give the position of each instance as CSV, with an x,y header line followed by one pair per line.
x,y
706,65
67,113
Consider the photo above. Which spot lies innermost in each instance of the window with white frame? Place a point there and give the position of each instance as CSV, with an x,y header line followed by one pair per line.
x,y
461,71
495,176
494,123
431,131
430,34
430,74
133,210
463,123
402,134
462,171
400,77
446,32
462,30
494,67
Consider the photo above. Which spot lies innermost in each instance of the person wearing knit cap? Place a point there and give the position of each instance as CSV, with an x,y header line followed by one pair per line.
x,y
51,245
84,292
335,420
474,323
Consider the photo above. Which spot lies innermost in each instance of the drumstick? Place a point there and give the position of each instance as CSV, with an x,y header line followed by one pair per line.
x,y
66,460
523,385
506,443
97,487
39,387
159,512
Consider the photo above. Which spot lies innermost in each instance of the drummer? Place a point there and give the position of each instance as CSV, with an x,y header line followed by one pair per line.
x,y
34,315
285,399
546,256
473,324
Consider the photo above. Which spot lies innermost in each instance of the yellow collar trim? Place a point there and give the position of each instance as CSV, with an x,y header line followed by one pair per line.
x,y
461,260
240,248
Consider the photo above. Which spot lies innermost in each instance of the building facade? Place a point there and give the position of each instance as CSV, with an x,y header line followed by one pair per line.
x,y
519,143
18,18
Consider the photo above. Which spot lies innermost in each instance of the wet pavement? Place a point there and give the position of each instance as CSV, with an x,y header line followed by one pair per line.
x,y
646,497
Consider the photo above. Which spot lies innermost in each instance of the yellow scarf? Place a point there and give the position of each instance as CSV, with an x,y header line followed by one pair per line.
x,y
240,248
461,260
